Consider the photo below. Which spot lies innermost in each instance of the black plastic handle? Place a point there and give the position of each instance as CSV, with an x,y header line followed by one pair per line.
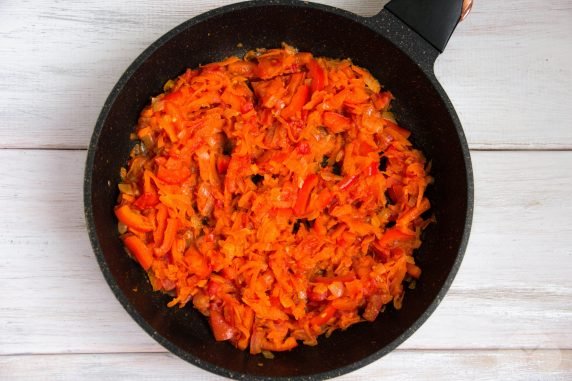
x,y
434,20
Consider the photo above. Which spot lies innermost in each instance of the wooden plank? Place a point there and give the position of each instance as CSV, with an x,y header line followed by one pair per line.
x,y
503,63
513,289
435,365
53,86
503,66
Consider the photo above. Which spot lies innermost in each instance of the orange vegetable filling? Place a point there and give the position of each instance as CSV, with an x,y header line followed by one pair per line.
x,y
277,194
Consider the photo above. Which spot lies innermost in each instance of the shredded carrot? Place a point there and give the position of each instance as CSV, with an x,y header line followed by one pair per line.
x,y
277,194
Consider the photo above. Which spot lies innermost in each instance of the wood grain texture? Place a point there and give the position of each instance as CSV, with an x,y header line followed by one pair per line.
x,y
488,365
506,68
508,315
513,290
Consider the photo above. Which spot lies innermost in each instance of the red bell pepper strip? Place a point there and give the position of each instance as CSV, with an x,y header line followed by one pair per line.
x,y
168,238
304,194
140,251
132,219
161,217
149,197
316,73
336,122
324,316
222,164
146,200
298,101
394,234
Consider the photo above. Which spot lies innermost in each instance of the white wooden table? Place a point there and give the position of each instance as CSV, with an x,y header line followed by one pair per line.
x,y
508,71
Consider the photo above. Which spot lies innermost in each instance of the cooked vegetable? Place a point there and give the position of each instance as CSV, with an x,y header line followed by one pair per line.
x,y
278,195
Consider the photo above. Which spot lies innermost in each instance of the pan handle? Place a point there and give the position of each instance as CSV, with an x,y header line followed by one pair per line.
x,y
434,20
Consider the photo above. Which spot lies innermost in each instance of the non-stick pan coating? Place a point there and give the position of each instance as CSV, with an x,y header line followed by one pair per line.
x,y
420,105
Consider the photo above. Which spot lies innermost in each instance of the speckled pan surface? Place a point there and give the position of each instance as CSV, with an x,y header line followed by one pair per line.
x,y
402,61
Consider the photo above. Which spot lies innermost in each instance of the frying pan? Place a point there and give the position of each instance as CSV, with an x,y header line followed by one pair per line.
x,y
399,46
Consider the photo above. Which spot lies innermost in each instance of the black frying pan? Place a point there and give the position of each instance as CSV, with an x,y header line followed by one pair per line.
x,y
402,60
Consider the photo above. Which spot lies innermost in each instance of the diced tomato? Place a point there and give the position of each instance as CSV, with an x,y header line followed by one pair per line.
x,y
303,147
317,297
221,329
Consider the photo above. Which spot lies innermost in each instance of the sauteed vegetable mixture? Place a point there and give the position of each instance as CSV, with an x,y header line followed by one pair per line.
x,y
277,195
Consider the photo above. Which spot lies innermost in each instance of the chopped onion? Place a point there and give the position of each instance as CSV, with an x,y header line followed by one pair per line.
x,y
121,228
205,200
337,289
389,116
126,188
168,85
268,355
